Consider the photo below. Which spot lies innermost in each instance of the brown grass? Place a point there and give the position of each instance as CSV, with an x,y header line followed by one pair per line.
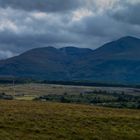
x,y
30,120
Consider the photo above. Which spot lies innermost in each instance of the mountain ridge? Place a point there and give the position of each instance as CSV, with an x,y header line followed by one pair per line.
x,y
116,61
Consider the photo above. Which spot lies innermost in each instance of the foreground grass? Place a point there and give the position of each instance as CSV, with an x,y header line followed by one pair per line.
x,y
30,120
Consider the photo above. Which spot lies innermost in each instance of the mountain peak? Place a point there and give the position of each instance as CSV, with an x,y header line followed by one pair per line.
x,y
123,48
128,38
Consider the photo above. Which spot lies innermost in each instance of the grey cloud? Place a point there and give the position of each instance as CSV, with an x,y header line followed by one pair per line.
x,y
42,5
128,13
6,54
21,30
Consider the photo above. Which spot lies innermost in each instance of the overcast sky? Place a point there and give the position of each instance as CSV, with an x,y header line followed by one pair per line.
x,y
26,24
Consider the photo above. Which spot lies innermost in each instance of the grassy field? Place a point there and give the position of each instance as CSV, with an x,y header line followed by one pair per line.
x,y
117,97
45,89
32,120
42,89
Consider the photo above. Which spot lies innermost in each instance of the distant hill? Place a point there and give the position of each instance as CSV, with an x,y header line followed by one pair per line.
x,y
114,62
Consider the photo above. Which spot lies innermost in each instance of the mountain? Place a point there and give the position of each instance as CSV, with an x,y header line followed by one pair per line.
x,y
124,48
117,62
43,63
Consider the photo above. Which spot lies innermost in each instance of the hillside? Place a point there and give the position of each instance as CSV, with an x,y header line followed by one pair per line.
x,y
40,121
117,62
127,48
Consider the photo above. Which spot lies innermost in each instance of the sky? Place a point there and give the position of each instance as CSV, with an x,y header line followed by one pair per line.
x,y
27,24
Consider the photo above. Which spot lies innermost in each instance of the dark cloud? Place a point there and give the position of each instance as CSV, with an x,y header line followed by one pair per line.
x,y
29,24
129,13
42,5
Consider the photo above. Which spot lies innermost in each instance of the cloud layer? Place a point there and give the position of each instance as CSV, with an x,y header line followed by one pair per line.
x,y
42,5
84,23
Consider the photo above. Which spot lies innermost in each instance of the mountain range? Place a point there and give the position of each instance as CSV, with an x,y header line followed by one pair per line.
x,y
114,62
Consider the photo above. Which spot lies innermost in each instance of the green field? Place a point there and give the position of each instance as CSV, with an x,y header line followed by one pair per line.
x,y
32,120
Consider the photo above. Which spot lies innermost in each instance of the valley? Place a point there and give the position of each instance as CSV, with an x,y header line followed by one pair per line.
x,y
69,70
115,97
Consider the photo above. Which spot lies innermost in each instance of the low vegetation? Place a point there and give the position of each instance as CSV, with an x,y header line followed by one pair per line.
x,y
101,98
32,120
115,97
